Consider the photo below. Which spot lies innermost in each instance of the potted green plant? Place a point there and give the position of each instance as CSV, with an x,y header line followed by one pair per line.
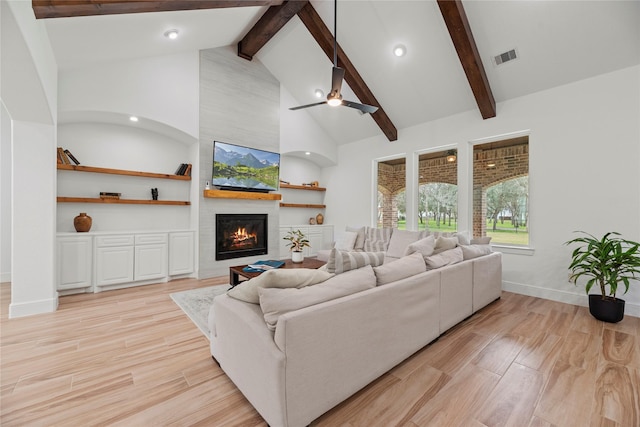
x,y
297,241
607,262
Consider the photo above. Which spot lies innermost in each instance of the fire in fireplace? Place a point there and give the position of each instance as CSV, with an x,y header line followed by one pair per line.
x,y
240,235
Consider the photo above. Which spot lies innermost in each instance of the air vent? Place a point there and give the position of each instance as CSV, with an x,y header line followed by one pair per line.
x,y
505,57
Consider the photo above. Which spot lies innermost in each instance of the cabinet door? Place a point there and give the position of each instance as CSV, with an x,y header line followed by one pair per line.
x,y
150,262
73,263
180,253
316,239
114,265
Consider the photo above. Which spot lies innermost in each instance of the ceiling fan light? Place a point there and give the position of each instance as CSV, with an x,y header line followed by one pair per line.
x,y
334,102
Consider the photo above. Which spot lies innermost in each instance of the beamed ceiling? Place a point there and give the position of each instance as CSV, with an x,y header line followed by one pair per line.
x,y
445,70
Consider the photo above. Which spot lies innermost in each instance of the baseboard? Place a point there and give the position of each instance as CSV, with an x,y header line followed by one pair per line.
x,y
32,307
5,277
561,296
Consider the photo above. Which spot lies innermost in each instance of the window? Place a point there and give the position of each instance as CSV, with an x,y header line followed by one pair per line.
x,y
438,191
501,191
391,193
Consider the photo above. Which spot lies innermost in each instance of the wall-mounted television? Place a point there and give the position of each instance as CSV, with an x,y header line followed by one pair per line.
x,y
243,168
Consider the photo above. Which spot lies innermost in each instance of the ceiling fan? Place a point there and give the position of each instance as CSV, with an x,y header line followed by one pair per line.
x,y
337,76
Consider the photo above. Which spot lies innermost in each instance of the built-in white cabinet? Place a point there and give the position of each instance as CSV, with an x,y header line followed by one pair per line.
x,y
93,262
74,258
319,236
181,257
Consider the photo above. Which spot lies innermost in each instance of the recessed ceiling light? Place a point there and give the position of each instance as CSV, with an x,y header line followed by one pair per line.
x,y
318,93
307,153
171,34
133,118
400,50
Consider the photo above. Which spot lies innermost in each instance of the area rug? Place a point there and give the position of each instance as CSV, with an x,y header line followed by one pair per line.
x,y
197,302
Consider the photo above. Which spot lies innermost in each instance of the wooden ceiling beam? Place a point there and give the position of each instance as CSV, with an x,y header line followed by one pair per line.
x,y
267,26
324,38
70,8
456,20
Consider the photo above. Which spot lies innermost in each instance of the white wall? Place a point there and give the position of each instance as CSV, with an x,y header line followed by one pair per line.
x,y
584,150
5,194
163,89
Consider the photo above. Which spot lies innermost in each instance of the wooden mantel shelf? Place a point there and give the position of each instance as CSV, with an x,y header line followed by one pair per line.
x,y
122,201
80,168
302,187
226,194
302,205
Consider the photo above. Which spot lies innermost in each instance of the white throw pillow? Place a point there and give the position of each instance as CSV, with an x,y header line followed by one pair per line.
x,y
451,256
400,240
359,245
475,251
276,302
424,246
445,244
347,242
402,268
463,237
278,278
341,261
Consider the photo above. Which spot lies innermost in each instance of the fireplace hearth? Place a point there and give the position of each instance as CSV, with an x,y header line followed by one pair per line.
x,y
241,235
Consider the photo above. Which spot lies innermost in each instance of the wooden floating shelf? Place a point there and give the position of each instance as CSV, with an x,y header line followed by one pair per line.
x,y
81,168
226,194
122,201
301,205
302,187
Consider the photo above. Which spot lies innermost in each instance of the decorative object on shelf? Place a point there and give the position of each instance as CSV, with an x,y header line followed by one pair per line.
x,y
311,184
285,182
108,195
82,222
71,156
319,219
207,185
184,169
297,241
312,221
608,262
154,193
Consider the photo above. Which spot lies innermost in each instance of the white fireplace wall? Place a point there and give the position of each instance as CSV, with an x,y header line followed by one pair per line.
x,y
239,104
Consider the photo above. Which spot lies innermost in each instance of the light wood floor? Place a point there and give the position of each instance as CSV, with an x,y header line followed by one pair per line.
x,y
132,358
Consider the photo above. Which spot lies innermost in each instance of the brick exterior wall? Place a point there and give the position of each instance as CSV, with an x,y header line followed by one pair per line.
x,y
391,181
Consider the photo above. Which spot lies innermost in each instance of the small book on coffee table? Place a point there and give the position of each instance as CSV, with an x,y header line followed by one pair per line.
x,y
260,266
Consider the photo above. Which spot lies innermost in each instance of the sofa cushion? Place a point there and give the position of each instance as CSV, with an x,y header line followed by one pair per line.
x,y
445,244
377,239
347,242
359,244
424,246
278,278
400,240
451,256
475,251
481,240
276,302
341,261
399,269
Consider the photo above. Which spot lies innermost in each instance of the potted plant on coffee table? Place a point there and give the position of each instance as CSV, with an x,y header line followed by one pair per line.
x,y
607,262
297,241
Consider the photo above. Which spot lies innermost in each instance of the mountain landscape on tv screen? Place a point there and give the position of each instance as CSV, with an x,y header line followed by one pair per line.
x,y
242,167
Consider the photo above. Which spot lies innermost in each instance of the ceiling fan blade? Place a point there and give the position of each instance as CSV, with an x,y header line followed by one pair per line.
x,y
362,107
308,105
336,80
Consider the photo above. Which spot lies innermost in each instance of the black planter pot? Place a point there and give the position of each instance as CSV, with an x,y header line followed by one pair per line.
x,y
608,309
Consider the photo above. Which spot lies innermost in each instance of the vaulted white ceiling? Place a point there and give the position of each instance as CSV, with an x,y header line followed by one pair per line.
x,y
557,42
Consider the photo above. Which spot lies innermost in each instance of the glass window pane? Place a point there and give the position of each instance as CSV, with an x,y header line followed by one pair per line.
x,y
391,193
438,191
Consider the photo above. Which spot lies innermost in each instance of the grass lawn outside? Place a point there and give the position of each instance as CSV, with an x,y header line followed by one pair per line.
x,y
505,232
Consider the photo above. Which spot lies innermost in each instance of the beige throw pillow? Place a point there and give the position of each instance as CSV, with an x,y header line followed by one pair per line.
x,y
347,242
341,261
475,251
359,244
481,240
400,240
279,278
276,302
377,239
424,246
445,244
452,256
402,268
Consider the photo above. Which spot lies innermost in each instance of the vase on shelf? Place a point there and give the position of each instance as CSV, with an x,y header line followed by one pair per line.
x,y
82,222
297,256
319,219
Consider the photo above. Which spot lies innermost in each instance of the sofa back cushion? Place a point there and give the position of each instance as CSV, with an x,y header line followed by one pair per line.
x,y
278,278
377,239
276,302
400,269
475,251
341,261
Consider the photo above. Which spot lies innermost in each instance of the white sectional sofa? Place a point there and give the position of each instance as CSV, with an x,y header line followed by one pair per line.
x,y
321,354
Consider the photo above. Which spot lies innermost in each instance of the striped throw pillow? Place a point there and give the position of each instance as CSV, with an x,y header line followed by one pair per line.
x,y
377,239
341,261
